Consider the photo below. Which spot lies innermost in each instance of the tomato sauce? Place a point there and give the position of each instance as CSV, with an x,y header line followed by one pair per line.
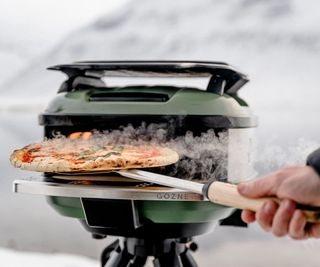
x,y
77,162
27,157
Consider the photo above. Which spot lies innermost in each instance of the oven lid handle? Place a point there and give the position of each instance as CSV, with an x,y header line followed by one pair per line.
x,y
223,77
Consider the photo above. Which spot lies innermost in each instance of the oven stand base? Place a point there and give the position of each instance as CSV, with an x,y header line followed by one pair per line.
x,y
135,252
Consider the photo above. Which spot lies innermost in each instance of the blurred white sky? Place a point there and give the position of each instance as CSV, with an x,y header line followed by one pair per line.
x,y
45,22
31,28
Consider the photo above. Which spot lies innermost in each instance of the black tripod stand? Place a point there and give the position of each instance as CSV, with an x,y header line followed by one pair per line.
x,y
135,252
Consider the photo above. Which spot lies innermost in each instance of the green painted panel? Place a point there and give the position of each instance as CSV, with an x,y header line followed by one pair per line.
x,y
183,211
156,211
182,101
67,206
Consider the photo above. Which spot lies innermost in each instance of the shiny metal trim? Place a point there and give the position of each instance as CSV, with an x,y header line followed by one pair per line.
x,y
37,186
163,180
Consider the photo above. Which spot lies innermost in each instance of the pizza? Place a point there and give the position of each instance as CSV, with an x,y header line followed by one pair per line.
x,y
83,156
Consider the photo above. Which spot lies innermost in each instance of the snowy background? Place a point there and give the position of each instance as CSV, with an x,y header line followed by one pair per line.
x,y
276,42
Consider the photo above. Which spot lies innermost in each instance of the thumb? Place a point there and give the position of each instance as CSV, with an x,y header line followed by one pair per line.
x,y
266,186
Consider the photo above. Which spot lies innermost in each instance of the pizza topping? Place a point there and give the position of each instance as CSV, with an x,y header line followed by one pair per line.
x,y
110,154
98,156
79,162
35,149
69,155
118,148
27,157
91,151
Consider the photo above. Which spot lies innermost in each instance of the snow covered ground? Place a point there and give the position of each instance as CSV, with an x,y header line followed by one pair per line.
x,y
11,258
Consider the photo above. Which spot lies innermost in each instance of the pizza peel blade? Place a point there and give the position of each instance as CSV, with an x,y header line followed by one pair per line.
x,y
225,194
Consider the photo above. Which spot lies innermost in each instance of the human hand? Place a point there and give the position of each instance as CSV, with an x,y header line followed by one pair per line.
x,y
297,184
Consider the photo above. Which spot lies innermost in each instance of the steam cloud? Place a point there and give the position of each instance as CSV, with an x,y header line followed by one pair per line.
x,y
202,157
273,156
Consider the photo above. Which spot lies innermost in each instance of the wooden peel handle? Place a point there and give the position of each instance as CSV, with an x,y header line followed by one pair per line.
x,y
227,194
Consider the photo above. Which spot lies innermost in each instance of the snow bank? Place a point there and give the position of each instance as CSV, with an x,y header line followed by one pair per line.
x,y
261,253
10,258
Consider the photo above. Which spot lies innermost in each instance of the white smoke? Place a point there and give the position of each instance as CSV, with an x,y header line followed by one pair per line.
x,y
273,156
202,157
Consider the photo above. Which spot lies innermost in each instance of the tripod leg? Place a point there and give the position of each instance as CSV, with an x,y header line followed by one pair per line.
x,y
188,260
168,260
122,260
105,255
138,261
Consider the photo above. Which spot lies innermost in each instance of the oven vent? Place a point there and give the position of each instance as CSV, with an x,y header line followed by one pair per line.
x,y
128,97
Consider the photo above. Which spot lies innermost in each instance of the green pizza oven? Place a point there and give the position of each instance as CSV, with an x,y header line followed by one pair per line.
x,y
86,101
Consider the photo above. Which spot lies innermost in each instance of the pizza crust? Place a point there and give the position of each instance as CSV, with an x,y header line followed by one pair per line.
x,y
165,156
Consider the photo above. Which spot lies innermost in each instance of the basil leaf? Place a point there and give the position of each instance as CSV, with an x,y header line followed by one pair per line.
x,y
118,148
